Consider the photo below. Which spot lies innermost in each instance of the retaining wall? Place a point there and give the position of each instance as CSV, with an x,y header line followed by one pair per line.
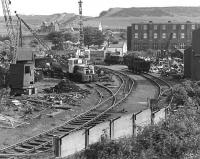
x,y
142,119
100,130
122,126
126,125
72,143
158,116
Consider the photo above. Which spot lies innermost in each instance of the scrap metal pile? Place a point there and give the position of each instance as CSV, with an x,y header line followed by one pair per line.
x,y
16,111
64,86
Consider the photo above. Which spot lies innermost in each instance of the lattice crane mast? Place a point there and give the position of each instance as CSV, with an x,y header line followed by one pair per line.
x,y
33,33
10,29
81,36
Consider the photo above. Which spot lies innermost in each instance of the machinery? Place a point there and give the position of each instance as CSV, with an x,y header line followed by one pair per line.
x,y
80,71
10,29
111,59
75,68
136,64
20,74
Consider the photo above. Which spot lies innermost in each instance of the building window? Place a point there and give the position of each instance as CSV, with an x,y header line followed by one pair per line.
x,y
174,27
182,27
27,69
163,27
182,45
144,27
182,35
163,35
136,35
145,35
155,27
136,27
193,27
155,35
174,36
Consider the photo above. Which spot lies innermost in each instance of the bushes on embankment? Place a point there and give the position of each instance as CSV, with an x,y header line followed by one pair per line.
x,y
178,137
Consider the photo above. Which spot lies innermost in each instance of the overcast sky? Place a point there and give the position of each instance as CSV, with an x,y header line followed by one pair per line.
x,y
90,7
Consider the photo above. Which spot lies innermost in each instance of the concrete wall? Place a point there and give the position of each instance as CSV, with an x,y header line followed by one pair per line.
x,y
126,125
158,116
98,131
142,119
72,143
122,127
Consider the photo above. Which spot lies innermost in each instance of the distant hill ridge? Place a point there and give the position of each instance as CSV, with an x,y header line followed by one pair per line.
x,y
119,17
152,11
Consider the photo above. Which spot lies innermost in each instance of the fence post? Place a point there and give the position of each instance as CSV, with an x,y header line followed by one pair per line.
x,y
57,146
86,138
111,129
134,125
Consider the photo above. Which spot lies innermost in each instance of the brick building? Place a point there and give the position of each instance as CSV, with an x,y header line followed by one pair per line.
x,y
143,36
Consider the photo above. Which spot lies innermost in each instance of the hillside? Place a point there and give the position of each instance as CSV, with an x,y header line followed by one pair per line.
x,y
116,17
152,12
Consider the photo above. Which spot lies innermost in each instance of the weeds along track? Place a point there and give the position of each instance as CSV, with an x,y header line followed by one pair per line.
x,y
97,114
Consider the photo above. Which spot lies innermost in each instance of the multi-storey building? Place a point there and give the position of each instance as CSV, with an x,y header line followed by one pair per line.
x,y
143,36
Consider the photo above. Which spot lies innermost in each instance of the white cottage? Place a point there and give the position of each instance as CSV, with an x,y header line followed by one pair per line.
x,y
119,49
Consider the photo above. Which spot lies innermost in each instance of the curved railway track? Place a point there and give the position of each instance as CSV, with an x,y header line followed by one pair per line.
x,y
97,114
162,84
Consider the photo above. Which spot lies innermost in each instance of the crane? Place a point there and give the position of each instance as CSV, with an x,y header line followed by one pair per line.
x,y
33,33
81,36
14,37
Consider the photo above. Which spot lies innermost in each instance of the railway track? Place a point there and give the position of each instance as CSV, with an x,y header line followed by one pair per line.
x,y
162,84
97,114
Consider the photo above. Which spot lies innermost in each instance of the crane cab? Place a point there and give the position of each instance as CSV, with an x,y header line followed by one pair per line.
x,y
21,74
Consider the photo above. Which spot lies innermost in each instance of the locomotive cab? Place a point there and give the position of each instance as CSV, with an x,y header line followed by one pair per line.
x,y
80,71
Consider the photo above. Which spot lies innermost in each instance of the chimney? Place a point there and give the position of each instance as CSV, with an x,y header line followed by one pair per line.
x,y
169,21
150,21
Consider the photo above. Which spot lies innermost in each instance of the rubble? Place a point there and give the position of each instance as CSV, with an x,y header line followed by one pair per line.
x,y
20,109
65,86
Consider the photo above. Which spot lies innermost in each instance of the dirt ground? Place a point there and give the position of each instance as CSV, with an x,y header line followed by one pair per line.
x,y
47,119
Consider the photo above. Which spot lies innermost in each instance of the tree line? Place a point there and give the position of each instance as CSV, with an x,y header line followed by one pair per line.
x,y
92,36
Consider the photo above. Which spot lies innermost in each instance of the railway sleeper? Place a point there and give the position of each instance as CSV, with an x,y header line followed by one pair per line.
x,y
83,119
64,130
51,134
88,115
42,149
20,149
40,140
67,128
34,143
26,146
78,123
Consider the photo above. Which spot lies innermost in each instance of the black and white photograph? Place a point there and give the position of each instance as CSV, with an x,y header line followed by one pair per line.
x,y
99,79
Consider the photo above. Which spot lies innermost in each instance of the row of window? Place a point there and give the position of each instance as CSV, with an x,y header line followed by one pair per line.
x,y
155,36
163,27
156,46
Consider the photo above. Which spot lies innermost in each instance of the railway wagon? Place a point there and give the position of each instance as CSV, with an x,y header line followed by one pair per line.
x,y
137,65
113,59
